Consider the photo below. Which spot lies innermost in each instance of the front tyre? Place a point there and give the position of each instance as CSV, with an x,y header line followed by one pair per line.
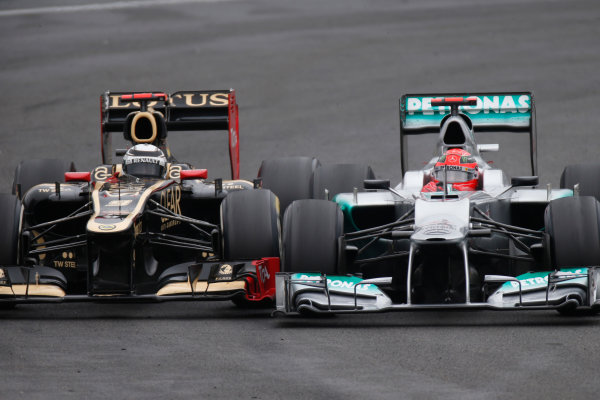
x,y
10,213
251,231
573,226
9,234
33,172
250,225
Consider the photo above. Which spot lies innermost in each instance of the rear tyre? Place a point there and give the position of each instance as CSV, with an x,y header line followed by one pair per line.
x,y
573,224
339,178
586,175
33,172
311,232
250,224
290,178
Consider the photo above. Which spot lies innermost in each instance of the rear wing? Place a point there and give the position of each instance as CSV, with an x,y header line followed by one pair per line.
x,y
190,110
493,112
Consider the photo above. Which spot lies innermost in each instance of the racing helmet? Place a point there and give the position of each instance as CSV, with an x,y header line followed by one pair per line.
x,y
459,168
145,160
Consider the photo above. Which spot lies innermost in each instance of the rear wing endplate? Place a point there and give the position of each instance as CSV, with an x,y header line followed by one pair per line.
x,y
190,110
493,112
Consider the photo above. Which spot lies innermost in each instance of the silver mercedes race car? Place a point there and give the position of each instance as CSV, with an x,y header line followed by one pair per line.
x,y
456,234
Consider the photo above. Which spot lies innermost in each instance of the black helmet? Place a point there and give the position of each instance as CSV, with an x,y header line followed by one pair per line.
x,y
145,160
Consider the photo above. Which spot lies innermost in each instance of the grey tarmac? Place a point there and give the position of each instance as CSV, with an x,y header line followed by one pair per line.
x,y
312,78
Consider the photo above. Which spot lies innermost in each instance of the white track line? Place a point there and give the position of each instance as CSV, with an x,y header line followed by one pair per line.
x,y
99,7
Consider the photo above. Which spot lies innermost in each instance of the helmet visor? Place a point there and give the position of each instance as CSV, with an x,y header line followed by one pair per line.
x,y
454,176
144,169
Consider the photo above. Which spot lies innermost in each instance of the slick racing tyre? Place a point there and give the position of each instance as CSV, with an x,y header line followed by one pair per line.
x,y
33,172
311,232
290,178
573,224
586,175
10,213
250,224
9,234
339,178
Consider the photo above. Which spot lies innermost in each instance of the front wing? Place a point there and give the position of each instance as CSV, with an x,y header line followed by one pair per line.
x,y
319,293
254,281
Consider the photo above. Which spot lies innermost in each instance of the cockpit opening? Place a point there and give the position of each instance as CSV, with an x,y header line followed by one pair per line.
x,y
454,135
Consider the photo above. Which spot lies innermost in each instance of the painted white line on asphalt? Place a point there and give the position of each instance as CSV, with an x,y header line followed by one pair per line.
x,y
99,7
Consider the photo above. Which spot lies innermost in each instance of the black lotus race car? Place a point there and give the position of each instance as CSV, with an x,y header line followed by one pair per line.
x,y
146,227
436,241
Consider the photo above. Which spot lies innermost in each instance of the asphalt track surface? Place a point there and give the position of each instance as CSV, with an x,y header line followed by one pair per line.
x,y
313,78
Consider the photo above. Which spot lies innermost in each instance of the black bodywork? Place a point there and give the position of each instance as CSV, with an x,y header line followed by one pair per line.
x,y
178,223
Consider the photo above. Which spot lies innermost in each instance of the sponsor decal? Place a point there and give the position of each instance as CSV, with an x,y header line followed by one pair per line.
x,y
52,188
175,171
203,99
533,280
485,104
64,264
67,260
263,273
147,160
225,269
102,174
224,273
170,199
233,137
340,283
107,227
192,99
514,110
232,186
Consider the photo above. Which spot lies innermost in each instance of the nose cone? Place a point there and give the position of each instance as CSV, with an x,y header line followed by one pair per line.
x,y
440,230
441,221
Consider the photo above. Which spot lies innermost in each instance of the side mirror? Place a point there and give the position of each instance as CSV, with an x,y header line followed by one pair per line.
x,y
377,184
488,147
78,176
524,181
193,174
120,152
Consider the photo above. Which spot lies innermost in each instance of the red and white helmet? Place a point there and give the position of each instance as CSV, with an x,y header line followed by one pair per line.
x,y
459,168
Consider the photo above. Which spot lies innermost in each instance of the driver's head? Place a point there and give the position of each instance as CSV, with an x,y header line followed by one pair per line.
x,y
457,167
145,160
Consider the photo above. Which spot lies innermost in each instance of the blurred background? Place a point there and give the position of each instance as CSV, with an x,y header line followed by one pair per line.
x,y
312,77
